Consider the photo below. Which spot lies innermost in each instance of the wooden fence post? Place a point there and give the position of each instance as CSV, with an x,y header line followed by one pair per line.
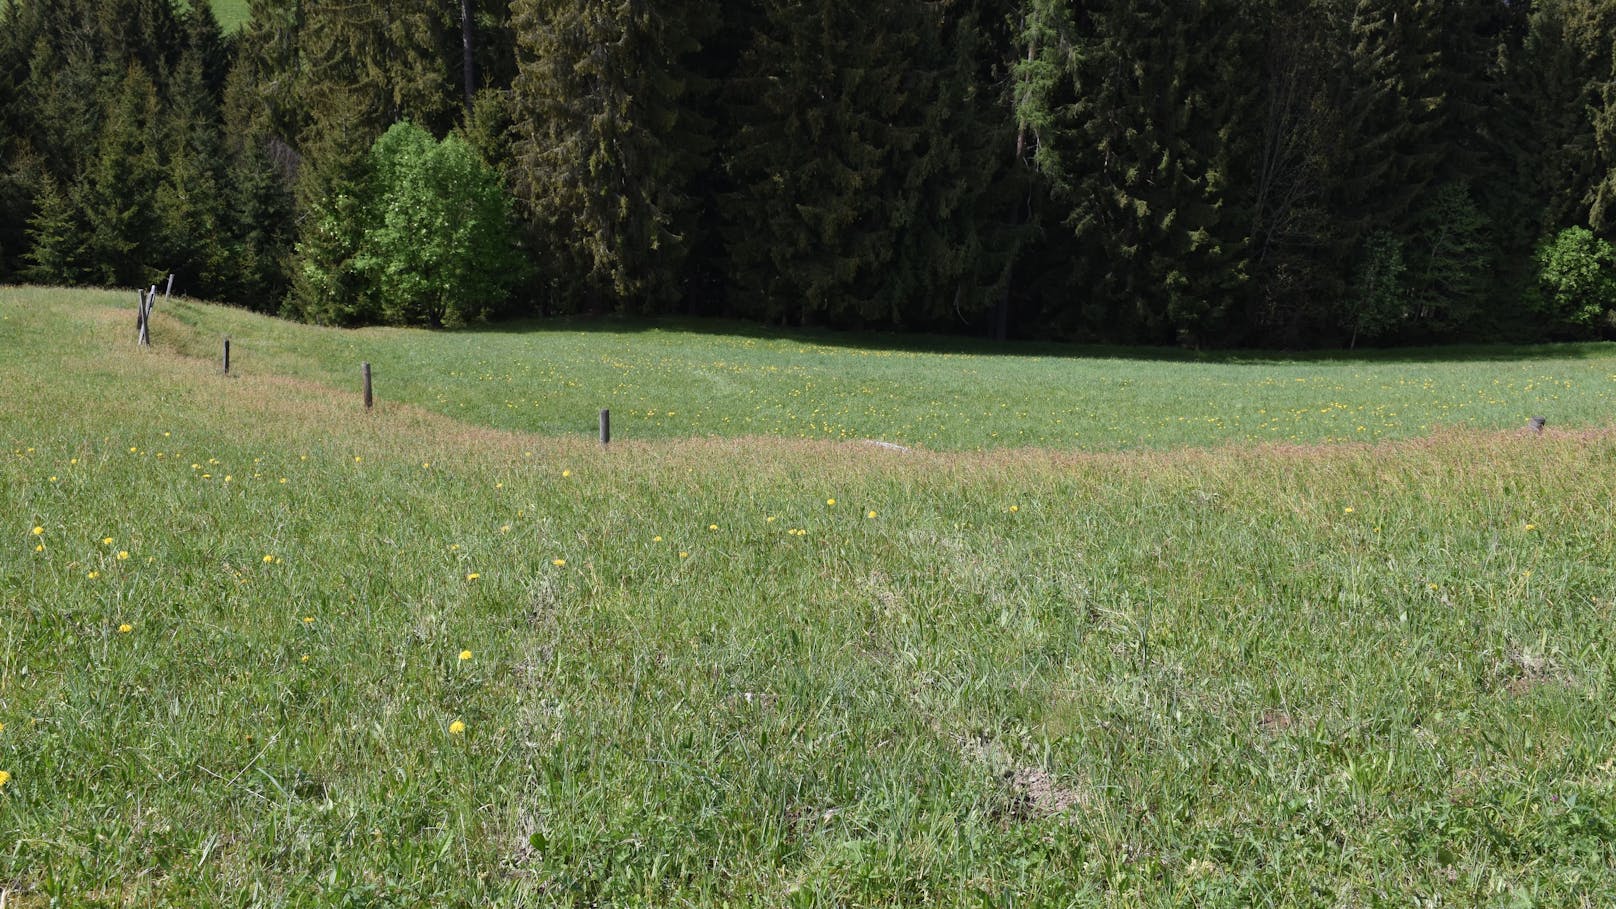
x,y
605,427
369,401
170,288
147,298
227,356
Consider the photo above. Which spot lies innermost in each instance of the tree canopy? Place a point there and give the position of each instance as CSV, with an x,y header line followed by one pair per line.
x,y
1193,172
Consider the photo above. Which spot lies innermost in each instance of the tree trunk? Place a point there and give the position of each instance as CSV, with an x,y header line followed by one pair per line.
x,y
468,46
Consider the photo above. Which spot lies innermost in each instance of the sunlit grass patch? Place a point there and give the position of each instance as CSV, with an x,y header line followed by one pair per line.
x,y
698,670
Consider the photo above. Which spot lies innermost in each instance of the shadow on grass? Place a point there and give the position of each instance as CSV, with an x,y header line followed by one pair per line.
x,y
978,347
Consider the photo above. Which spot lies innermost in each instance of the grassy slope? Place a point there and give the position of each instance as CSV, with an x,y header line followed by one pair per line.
x,y
231,13
1308,677
673,383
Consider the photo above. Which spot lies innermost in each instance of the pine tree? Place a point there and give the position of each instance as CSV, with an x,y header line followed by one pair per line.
x,y
1163,130
867,166
610,140
189,207
116,193
56,253
1602,201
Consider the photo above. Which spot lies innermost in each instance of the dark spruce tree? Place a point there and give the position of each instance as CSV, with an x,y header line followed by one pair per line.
x,y
867,166
610,142
1153,170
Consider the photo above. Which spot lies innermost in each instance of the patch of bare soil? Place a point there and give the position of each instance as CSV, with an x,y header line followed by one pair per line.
x,y
1275,721
1034,793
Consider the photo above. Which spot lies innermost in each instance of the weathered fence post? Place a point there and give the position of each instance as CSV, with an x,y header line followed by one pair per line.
x,y
368,399
605,427
170,288
227,356
147,298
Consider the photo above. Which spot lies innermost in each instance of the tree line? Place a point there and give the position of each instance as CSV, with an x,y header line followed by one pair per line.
x,y
1195,172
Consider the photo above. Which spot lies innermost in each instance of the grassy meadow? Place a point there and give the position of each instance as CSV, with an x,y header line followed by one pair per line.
x,y
260,648
669,381
232,14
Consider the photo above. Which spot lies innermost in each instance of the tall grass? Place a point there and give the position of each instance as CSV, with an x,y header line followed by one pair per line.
x,y
773,672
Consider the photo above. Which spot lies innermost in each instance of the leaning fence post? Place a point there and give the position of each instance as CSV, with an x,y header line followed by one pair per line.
x,y
368,399
146,300
170,288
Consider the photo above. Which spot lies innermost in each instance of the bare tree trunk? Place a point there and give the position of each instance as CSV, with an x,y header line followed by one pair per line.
x,y
468,45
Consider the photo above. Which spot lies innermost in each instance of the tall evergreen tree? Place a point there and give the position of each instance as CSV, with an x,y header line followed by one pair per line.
x,y
1162,128
610,141
116,193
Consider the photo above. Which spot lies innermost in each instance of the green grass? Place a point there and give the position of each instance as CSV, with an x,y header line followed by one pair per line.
x,y
672,381
232,14
1363,675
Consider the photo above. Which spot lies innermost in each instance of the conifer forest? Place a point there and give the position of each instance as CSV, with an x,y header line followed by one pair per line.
x,y
1202,173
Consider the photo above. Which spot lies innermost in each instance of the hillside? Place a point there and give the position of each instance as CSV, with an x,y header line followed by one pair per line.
x,y
264,649
673,380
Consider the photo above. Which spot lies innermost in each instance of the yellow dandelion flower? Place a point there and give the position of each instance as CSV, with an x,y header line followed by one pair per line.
x,y
5,777
1015,508
712,526
473,576
769,519
53,479
504,528
40,548
559,563
870,515
656,539
269,560
357,459
106,541
125,628
93,575
123,554
831,502
454,547
308,620
465,655
38,531
566,473
1348,510
304,659
457,727
684,555
1531,527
